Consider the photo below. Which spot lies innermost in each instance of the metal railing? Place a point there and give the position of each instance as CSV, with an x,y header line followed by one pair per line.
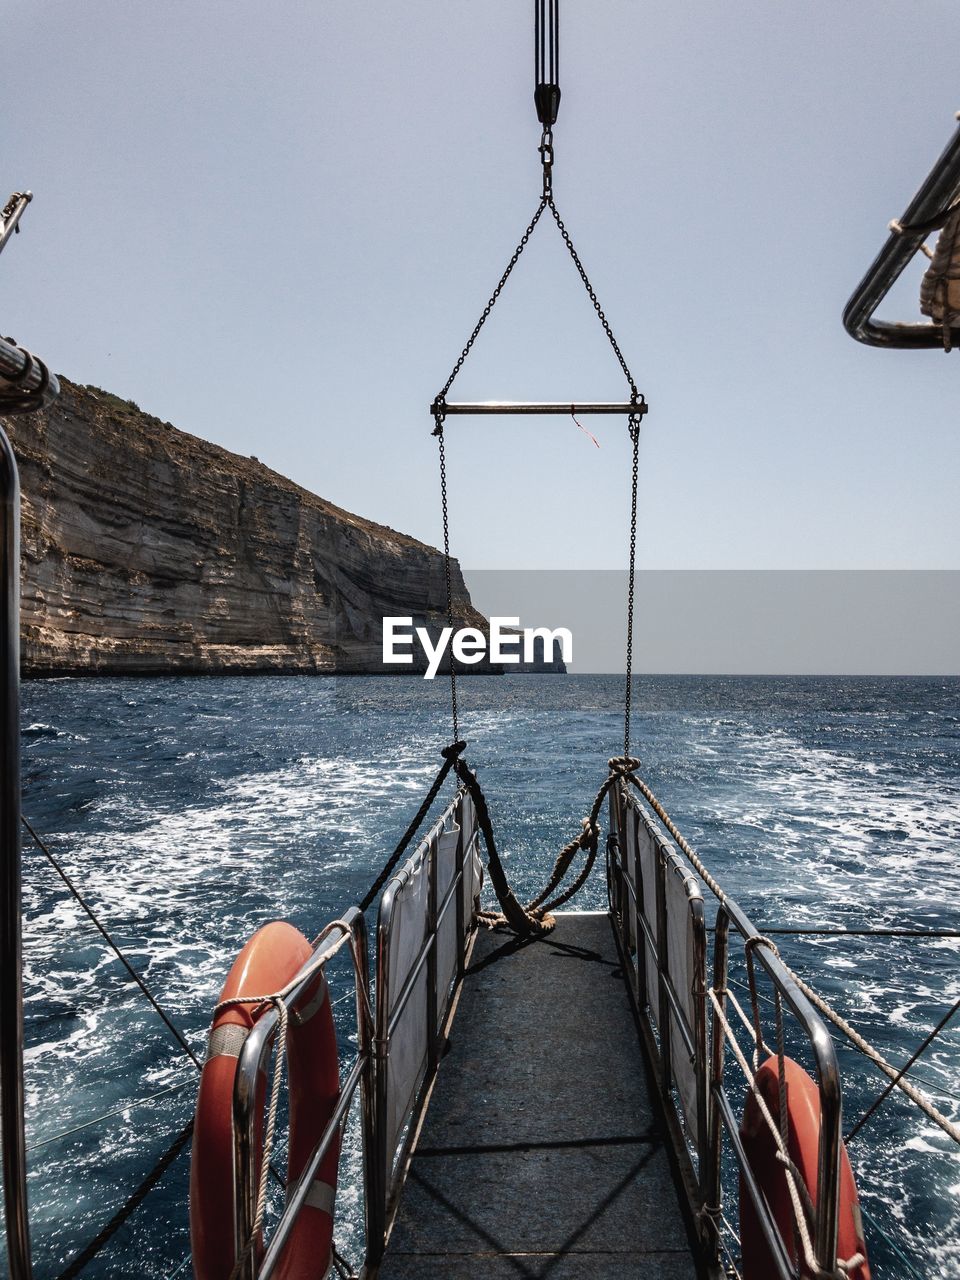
x,y
24,374
664,952
424,932
938,192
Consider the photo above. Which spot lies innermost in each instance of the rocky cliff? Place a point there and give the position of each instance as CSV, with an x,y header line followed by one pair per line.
x,y
146,550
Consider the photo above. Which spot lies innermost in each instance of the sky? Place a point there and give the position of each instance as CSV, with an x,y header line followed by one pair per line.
x,y
275,228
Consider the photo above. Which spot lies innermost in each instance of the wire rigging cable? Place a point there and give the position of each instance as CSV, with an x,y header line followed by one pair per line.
x,y
145,990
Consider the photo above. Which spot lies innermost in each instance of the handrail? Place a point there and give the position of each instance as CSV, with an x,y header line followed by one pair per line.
x,y
369,1072
29,376
12,1132
641,945
938,191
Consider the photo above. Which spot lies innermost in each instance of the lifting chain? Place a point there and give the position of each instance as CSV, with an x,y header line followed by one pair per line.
x,y
447,574
631,582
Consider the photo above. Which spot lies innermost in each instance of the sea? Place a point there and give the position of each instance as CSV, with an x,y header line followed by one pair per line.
x,y
190,811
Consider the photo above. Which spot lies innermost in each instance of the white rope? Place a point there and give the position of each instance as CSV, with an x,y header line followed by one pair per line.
x,y
751,1030
914,1094
896,226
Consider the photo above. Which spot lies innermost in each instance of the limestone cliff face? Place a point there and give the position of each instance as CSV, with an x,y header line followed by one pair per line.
x,y
146,550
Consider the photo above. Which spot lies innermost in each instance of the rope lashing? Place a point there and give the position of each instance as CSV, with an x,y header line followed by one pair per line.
x,y
757,940
522,921
450,755
940,287
535,917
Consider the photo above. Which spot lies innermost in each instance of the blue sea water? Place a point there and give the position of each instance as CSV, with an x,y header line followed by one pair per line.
x,y
191,811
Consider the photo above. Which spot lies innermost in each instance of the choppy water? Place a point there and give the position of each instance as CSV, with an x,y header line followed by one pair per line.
x,y
193,810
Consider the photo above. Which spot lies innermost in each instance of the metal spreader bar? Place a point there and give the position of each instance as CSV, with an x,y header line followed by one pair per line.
x,y
924,213
444,409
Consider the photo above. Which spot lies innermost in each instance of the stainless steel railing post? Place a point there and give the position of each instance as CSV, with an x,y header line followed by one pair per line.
x,y
700,1039
663,968
714,1157
380,1174
462,846
11,942
366,1032
639,934
433,857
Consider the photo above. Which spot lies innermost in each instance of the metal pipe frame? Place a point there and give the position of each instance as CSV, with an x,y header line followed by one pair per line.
x,y
940,189
248,1100
389,1159
715,1112
472,408
714,1155
8,227
13,361
11,945
661,959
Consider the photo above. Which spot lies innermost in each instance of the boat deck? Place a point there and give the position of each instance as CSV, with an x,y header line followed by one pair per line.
x,y
541,1154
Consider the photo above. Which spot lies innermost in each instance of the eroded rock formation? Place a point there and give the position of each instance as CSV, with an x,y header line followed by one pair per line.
x,y
147,550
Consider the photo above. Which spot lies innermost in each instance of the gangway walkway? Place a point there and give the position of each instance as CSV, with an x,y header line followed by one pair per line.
x,y
541,1154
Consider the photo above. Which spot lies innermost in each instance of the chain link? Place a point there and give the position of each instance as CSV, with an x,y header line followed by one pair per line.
x,y
639,409
546,159
628,695
446,569
438,403
634,393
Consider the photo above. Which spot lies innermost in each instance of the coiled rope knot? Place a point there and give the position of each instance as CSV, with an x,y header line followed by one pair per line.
x,y
454,751
589,835
759,940
621,766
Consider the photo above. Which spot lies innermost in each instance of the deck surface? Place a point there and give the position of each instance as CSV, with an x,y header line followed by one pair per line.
x,y
540,1155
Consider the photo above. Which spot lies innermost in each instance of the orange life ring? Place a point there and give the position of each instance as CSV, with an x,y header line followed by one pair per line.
x,y
803,1129
274,955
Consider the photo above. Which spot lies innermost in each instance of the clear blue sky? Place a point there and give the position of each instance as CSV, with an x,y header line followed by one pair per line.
x,y
276,225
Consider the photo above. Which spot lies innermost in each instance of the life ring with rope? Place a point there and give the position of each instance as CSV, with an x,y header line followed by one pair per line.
x,y
269,961
803,1146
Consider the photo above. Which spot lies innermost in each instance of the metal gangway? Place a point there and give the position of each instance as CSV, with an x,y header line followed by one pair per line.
x,y
536,1102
